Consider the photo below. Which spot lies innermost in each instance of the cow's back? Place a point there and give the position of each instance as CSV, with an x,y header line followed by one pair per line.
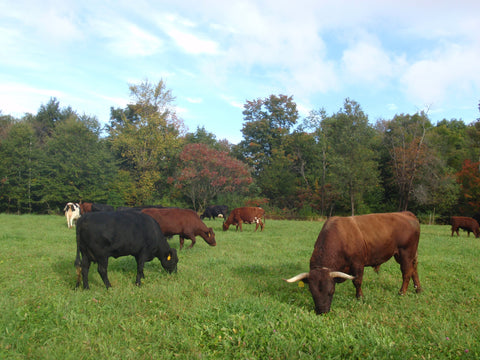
x,y
371,239
249,213
117,233
174,220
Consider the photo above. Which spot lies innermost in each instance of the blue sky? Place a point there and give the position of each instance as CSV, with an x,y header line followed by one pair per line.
x,y
391,57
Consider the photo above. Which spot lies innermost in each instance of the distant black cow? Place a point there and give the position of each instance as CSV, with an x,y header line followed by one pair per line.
x,y
214,211
101,235
101,207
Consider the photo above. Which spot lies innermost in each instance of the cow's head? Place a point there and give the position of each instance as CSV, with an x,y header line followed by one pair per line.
x,y
225,226
169,261
321,282
210,237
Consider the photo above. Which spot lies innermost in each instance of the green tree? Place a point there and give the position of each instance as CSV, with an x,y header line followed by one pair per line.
x,y
19,160
266,129
449,139
404,139
353,164
78,165
310,152
145,137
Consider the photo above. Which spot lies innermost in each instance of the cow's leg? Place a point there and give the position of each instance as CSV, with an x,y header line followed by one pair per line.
x,y
261,225
191,237
85,268
256,226
406,266
182,240
102,270
415,278
240,225
357,271
140,264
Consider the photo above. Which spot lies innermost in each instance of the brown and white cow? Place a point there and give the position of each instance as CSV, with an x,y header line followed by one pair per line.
x,y
183,222
248,215
346,245
72,213
466,223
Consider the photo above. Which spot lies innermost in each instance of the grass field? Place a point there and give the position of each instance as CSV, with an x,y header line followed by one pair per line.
x,y
230,302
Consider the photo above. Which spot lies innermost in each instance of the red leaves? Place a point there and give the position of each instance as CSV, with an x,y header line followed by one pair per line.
x,y
205,172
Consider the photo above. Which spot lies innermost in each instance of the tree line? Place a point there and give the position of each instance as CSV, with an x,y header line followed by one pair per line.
x,y
320,165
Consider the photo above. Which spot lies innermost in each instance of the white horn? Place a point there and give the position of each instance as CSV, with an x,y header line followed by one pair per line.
x,y
342,275
298,277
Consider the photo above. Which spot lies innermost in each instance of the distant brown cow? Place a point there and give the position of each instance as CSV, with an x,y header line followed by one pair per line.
x,y
85,207
466,223
183,222
248,215
346,245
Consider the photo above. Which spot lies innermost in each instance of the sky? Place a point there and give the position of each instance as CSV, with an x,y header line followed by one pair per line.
x,y
391,57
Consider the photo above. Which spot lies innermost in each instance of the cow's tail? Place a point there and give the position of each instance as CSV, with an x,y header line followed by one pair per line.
x,y
78,259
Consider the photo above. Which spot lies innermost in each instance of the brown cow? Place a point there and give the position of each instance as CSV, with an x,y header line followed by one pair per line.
x,y
183,222
85,207
346,245
466,223
246,215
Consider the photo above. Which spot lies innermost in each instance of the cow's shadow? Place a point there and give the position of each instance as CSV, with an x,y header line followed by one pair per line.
x,y
65,269
262,280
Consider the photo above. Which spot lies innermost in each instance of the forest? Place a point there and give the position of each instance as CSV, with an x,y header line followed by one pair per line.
x,y
296,168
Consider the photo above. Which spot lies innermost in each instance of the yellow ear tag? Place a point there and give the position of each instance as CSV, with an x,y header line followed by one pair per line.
x,y
169,258
301,284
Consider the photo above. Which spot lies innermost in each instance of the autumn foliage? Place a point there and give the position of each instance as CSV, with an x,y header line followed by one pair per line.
x,y
203,173
469,180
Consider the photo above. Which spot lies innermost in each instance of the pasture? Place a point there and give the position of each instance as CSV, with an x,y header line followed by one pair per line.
x,y
230,302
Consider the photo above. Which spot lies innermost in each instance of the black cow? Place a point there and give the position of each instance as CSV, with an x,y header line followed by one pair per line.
x,y
214,211
101,235
101,207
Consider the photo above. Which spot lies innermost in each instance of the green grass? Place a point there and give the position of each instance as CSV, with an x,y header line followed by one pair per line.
x,y
229,301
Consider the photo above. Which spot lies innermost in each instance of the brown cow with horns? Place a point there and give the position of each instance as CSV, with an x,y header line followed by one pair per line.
x,y
346,245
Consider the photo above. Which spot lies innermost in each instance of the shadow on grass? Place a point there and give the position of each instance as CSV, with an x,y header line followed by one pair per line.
x,y
262,280
126,265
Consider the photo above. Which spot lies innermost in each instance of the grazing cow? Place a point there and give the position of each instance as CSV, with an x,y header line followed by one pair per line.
x,y
101,235
102,207
248,215
346,245
211,212
466,223
183,222
72,213
85,207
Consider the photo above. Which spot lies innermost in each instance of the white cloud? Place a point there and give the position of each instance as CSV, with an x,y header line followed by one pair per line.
x,y
367,62
194,100
193,44
232,101
127,39
451,71
17,99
